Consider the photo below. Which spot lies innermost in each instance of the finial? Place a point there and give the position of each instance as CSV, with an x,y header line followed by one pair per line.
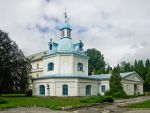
x,y
65,13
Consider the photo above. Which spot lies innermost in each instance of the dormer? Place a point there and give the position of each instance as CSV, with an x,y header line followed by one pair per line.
x,y
52,46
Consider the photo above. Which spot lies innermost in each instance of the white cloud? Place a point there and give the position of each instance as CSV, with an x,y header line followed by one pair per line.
x,y
117,28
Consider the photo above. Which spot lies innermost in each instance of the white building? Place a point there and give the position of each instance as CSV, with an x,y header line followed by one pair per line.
x,y
63,71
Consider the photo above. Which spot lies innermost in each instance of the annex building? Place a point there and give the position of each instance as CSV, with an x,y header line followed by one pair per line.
x,y
62,70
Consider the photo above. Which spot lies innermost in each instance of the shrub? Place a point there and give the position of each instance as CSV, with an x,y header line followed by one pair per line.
x,y
108,99
2,101
97,99
29,93
120,94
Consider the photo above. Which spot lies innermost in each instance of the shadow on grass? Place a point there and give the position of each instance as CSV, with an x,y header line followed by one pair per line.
x,y
2,101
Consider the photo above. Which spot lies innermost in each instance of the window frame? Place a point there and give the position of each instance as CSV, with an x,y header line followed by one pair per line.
x,y
42,90
50,66
50,47
88,90
103,88
65,90
80,66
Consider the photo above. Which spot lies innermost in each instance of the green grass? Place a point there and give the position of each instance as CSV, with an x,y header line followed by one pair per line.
x,y
145,104
51,102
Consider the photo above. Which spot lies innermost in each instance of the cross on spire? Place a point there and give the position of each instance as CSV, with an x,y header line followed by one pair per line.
x,y
65,13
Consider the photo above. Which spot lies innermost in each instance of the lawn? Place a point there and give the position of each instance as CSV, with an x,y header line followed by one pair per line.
x,y
12,100
145,104
53,103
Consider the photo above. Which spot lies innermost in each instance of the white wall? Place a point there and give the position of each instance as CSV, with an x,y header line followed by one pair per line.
x,y
106,84
54,59
76,87
55,86
82,83
34,64
65,64
82,60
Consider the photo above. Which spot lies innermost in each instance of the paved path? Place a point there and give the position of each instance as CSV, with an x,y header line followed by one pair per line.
x,y
98,109
115,107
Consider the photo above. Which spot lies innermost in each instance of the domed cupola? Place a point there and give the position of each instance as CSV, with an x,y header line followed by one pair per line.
x,y
65,45
66,29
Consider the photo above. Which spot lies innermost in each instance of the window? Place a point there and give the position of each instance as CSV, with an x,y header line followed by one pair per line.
x,y
68,33
62,33
65,90
42,89
88,90
80,47
50,47
50,66
103,88
37,66
80,67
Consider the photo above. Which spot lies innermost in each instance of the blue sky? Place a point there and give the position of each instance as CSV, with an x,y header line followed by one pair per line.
x,y
120,29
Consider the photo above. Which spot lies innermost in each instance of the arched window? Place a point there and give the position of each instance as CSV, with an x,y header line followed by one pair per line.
x,y
80,47
50,47
62,33
50,66
42,90
80,67
88,90
65,90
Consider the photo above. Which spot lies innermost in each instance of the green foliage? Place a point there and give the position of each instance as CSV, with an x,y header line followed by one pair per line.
x,y
14,66
96,61
108,99
126,67
141,68
97,99
116,89
2,101
50,102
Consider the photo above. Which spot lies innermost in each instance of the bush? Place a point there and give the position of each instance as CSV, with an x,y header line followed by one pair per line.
x,y
119,94
97,99
2,101
29,93
108,99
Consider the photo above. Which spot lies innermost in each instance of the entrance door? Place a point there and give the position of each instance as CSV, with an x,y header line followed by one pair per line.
x,y
42,90
88,90
135,88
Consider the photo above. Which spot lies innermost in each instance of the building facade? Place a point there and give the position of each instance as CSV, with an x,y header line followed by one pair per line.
x,y
63,71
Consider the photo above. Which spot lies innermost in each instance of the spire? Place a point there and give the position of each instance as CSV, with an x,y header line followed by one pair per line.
x,y
65,13
65,28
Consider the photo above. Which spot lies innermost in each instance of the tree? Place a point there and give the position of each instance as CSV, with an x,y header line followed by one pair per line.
x,y
96,61
108,69
14,66
126,67
116,89
147,81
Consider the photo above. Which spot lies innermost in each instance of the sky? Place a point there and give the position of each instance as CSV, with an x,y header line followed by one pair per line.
x,y
120,29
